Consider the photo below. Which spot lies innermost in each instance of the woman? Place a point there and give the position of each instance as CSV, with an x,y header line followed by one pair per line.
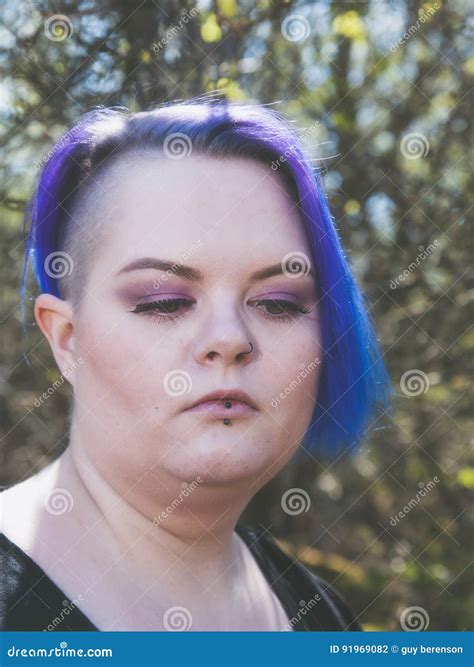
x,y
195,295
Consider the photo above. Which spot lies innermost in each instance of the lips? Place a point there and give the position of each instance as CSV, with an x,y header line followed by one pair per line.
x,y
225,403
218,409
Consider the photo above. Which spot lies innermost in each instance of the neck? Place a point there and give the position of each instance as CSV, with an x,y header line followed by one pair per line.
x,y
188,529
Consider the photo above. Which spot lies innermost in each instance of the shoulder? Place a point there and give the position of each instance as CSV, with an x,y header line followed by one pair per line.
x,y
28,515
29,600
315,603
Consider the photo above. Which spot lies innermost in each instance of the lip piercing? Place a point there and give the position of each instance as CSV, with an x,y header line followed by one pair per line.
x,y
227,422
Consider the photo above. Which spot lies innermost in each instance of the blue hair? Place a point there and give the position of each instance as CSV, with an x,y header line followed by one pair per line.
x,y
354,388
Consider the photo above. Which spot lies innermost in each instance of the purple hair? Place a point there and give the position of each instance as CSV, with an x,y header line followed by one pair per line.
x,y
354,386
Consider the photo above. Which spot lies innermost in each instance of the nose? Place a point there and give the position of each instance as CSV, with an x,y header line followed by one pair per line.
x,y
225,340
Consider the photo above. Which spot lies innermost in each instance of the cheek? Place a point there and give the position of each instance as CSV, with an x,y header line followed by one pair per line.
x,y
133,370
295,379
120,368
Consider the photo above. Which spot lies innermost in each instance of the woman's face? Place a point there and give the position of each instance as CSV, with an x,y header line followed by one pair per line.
x,y
143,365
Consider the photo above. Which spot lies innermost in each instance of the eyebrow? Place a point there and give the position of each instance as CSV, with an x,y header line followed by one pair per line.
x,y
189,273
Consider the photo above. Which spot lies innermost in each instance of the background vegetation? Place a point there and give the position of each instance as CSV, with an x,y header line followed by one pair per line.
x,y
381,93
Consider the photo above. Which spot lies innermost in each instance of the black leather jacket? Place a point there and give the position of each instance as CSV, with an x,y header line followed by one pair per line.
x,y
28,595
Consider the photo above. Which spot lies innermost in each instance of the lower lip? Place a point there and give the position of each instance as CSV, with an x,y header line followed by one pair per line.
x,y
217,409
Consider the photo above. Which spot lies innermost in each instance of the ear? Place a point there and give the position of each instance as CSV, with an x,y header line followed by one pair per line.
x,y
54,318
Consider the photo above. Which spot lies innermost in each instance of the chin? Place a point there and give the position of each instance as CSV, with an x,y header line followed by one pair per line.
x,y
219,460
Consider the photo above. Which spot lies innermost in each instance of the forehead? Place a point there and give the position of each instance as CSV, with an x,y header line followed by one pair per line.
x,y
234,209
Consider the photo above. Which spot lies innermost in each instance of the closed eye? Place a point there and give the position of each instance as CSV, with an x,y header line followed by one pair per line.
x,y
280,310
164,309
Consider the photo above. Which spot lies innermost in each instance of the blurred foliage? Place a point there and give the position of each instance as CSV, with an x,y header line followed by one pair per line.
x,y
368,83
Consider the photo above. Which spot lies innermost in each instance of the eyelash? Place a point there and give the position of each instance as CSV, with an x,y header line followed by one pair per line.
x,y
151,309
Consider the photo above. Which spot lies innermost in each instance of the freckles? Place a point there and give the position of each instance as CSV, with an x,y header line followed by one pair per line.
x,y
310,371
107,359
299,381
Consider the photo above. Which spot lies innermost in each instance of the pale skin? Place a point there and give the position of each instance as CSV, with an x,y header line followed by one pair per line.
x,y
133,448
